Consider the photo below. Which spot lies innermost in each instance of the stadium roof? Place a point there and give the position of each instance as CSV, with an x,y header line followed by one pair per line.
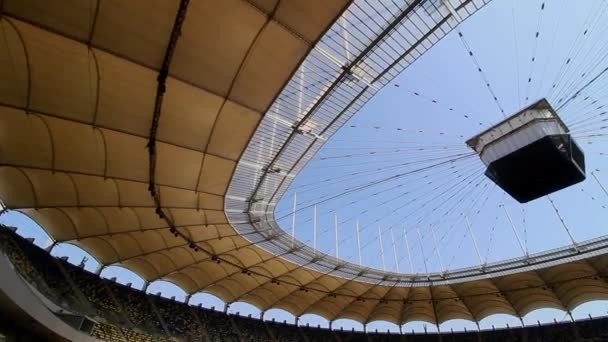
x,y
159,135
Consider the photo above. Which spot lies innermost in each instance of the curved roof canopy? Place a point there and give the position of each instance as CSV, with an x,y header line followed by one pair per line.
x,y
123,125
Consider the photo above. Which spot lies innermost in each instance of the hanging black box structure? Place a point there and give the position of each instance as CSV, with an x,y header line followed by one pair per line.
x,y
530,154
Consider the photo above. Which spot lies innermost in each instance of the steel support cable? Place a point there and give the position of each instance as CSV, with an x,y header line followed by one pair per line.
x,y
465,210
489,193
389,148
404,157
592,133
490,241
440,103
452,176
579,78
382,153
592,122
361,148
470,196
574,47
572,76
421,211
443,242
348,237
378,167
384,180
413,201
484,191
439,175
579,108
582,80
465,107
559,102
586,111
375,170
516,43
400,142
397,187
590,82
425,180
425,213
368,208
473,219
386,162
482,74
435,247
566,64
400,130
534,49
397,61
561,219
376,41
460,186
357,186
551,48
591,115
584,108
595,94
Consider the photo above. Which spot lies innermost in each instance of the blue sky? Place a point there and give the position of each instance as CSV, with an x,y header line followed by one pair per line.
x,y
422,118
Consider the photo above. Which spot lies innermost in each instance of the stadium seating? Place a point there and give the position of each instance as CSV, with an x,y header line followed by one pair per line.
x,y
122,313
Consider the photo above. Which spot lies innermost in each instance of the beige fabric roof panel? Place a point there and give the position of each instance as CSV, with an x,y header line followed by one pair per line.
x,y
120,28
13,67
73,18
75,115
188,115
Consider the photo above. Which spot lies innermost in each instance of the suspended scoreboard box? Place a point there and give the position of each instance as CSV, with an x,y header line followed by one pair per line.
x,y
530,154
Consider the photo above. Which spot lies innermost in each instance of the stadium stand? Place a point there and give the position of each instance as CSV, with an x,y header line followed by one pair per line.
x,y
121,313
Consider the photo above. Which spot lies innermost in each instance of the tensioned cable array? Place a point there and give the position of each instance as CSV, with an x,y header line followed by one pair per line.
x,y
385,175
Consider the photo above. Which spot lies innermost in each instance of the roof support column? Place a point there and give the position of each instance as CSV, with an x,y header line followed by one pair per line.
x,y
394,248
336,227
49,249
426,270
358,242
293,219
314,228
381,248
100,269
